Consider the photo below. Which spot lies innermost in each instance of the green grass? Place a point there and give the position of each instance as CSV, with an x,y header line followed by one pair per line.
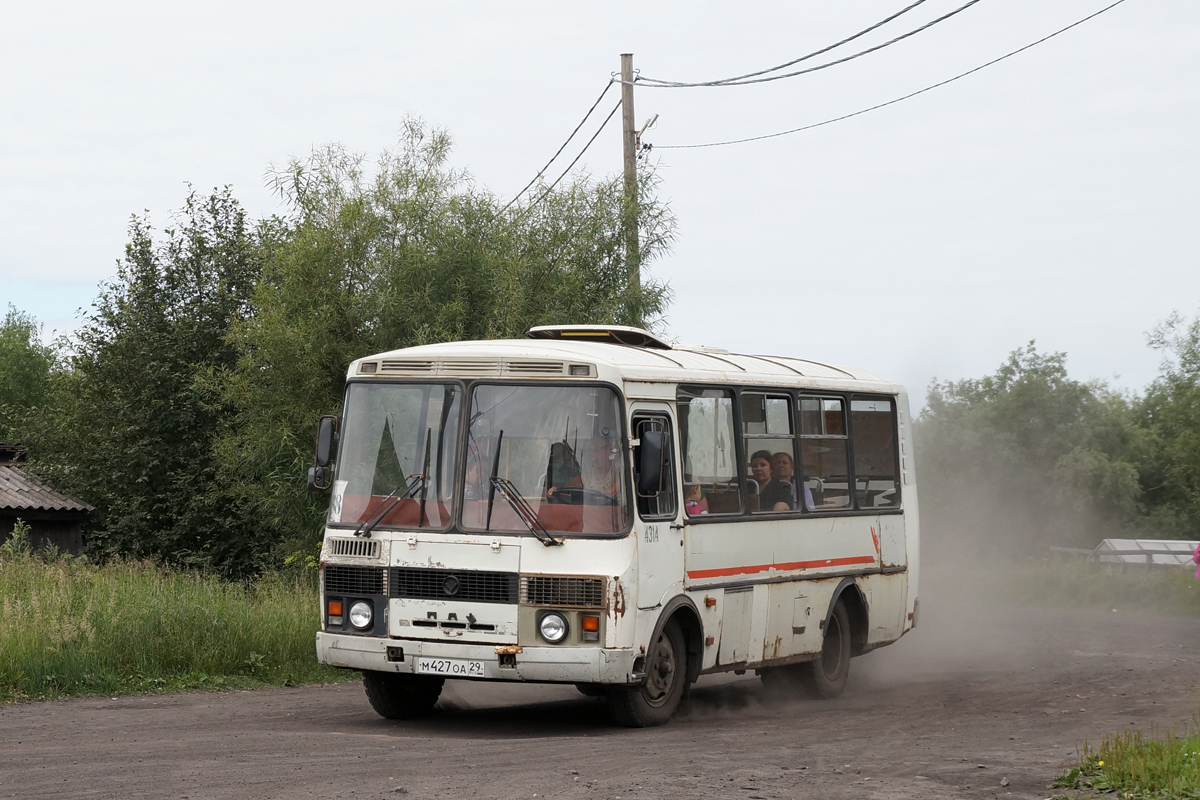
x,y
1134,767
71,628
1066,583
1075,584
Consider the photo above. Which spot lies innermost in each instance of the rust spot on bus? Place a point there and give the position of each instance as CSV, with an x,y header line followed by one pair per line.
x,y
618,606
774,648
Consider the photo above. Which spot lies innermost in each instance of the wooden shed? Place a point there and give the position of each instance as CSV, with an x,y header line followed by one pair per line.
x,y
54,519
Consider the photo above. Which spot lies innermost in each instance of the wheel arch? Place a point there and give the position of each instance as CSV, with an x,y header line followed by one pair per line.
x,y
682,608
857,609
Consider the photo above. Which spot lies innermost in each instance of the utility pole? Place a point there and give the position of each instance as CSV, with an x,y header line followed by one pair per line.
x,y
629,150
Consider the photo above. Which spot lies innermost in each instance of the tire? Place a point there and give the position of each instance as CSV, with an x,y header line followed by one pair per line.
x,y
396,696
655,701
825,677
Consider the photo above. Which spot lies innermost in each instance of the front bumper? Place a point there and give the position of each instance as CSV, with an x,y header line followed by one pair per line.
x,y
540,664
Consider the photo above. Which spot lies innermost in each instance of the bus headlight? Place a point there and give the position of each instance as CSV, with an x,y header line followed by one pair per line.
x,y
360,615
553,627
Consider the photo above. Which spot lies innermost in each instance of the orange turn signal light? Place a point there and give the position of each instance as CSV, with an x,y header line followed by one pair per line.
x,y
710,601
335,608
590,623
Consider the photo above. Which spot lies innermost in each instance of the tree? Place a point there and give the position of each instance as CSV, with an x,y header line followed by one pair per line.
x,y
134,420
25,367
1026,458
1169,414
410,254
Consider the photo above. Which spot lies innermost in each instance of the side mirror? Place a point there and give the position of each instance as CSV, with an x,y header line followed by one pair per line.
x,y
316,479
326,428
650,462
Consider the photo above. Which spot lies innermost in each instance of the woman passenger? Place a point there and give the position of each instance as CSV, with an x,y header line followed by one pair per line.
x,y
773,495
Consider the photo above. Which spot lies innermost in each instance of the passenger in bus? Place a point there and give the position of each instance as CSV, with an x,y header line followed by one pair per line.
x,y
694,501
562,474
473,485
783,470
773,495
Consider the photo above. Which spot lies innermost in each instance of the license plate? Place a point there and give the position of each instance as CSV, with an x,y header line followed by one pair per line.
x,y
450,667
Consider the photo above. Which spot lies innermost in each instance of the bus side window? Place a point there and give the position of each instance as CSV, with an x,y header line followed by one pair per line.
x,y
708,445
824,462
873,427
768,444
660,504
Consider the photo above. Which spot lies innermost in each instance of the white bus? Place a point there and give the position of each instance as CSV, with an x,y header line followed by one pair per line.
x,y
595,506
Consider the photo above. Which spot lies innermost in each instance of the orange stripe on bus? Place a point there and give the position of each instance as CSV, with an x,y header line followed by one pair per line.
x,y
824,562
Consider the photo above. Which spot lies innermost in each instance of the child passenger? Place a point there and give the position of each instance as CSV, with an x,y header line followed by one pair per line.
x,y
694,502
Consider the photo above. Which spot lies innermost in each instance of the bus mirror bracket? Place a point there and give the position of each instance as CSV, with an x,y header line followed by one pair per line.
x,y
650,462
326,431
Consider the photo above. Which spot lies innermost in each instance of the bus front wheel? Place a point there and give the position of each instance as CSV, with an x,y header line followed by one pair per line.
x,y
825,676
666,683
396,696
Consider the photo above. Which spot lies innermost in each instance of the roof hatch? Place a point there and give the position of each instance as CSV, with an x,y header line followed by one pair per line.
x,y
609,334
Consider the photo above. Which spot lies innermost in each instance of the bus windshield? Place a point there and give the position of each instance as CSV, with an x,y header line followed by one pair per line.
x,y
556,450
396,459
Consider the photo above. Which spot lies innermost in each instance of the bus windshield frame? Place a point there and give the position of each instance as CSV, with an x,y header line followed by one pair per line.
x,y
550,457
563,448
412,482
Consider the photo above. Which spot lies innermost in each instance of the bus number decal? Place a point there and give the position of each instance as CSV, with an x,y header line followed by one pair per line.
x,y
651,533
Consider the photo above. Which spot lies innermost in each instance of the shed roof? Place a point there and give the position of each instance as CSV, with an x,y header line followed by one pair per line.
x,y
1180,551
19,491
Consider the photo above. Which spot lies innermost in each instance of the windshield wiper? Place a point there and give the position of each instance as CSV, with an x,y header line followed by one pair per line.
x,y
424,481
492,481
414,482
528,516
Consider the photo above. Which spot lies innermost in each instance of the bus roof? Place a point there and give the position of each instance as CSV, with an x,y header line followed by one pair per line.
x,y
649,361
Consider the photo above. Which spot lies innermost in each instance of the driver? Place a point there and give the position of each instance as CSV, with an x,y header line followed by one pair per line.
x,y
601,467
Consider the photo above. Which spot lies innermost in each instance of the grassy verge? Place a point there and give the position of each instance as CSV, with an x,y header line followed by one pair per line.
x,y
1060,583
71,628
1074,584
1133,767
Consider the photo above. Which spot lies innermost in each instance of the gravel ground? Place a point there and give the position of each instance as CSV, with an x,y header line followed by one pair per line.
x,y
977,702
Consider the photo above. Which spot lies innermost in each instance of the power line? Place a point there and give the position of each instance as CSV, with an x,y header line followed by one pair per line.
x,y
793,62
550,188
558,152
660,84
898,99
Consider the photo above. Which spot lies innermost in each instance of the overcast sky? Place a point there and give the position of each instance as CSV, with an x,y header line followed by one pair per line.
x,y
1052,196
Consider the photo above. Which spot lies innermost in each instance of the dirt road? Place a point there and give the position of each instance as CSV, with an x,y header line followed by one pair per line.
x,y
971,699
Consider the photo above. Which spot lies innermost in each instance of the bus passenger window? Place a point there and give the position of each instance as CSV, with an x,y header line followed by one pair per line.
x,y
771,483
708,446
874,426
824,462
658,504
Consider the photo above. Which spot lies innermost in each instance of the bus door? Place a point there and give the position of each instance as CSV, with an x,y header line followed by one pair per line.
x,y
659,531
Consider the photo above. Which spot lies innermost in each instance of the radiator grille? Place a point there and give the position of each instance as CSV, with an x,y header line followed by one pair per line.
x,y
340,579
449,584
544,590
366,548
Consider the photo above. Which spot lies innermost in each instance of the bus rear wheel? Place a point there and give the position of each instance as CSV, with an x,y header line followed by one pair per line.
x,y
825,676
655,701
396,696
